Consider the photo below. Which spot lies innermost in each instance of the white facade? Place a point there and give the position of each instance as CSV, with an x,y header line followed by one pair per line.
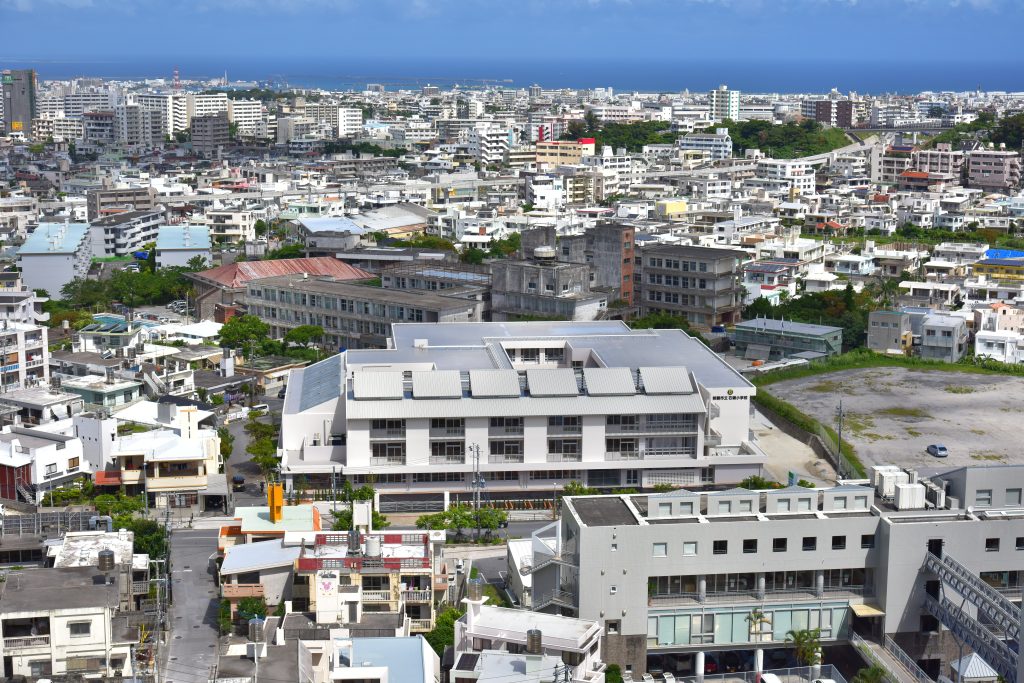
x,y
724,104
246,114
54,255
717,144
350,122
799,174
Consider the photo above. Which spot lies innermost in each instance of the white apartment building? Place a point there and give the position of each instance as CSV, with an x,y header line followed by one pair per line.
x,y
542,404
960,253
350,122
173,110
1003,346
942,159
724,104
17,215
617,113
246,114
78,103
122,234
797,173
60,622
176,245
57,127
628,170
54,255
718,144
488,144
236,224
205,104
138,127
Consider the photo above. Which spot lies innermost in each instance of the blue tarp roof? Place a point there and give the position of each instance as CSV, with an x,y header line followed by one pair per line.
x,y
1004,253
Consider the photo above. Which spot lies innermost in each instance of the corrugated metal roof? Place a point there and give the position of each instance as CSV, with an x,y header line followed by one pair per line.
x,y
552,382
251,557
609,381
666,380
436,384
525,406
494,384
377,385
321,382
239,274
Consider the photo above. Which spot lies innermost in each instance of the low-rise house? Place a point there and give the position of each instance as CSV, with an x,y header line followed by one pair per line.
x,y
259,570
889,332
943,337
932,294
82,549
1005,346
103,392
768,339
851,265
42,404
353,660
267,522
176,245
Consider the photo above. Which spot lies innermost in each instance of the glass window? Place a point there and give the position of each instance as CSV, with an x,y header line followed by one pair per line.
x,y
839,502
689,548
79,628
720,547
659,550
750,545
991,545
810,543
983,497
839,543
746,506
779,545
867,541
784,505
1013,496
664,509
724,507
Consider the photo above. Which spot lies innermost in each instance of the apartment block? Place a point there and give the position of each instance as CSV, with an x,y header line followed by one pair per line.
x,y
724,104
889,332
675,577
122,234
942,159
353,316
54,255
718,145
18,88
994,170
210,132
113,200
610,251
563,152
176,245
944,337
838,113
699,284
594,402
246,115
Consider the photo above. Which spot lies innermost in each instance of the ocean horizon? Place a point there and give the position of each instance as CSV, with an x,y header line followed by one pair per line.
x,y
803,76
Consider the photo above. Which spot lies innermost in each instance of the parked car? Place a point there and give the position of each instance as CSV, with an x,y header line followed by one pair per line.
x,y
281,393
238,483
262,407
938,450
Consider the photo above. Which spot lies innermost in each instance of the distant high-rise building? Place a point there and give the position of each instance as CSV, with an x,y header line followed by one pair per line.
x,y
535,91
210,132
724,103
19,95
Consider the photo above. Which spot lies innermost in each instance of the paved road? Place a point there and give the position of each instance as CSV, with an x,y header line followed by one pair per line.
x,y
192,641
239,462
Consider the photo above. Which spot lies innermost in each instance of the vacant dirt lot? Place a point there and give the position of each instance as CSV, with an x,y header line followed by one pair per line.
x,y
892,414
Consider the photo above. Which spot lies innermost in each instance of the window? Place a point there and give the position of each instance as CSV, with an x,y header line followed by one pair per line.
x,y
690,548
612,590
724,507
615,547
839,543
659,550
750,545
664,509
991,545
983,497
1020,543
720,547
612,627
867,541
73,464
1013,496
784,505
78,629
839,503
746,506
779,545
810,543
51,469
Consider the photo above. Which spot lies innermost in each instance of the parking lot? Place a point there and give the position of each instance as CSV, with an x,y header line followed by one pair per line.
x,y
893,414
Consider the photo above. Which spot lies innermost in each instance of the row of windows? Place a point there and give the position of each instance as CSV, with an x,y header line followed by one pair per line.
x,y
750,545
984,497
676,264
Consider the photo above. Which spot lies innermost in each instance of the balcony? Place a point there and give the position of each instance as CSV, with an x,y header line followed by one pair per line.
x,y
417,596
377,596
559,430
507,430
420,625
392,433
140,587
237,591
622,455
446,432
499,459
447,460
713,438
388,462
26,642
564,457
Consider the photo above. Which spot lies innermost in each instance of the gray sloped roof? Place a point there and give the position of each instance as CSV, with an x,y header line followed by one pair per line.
x,y
609,381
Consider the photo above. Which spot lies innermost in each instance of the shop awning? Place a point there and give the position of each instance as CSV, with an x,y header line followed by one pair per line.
x,y
867,611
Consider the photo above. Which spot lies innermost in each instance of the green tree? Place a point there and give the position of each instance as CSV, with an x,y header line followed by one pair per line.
x,y
252,608
870,674
260,228
196,264
287,251
150,536
342,519
473,255
613,674
457,518
304,335
443,634
227,442
806,646
242,331
592,123
224,621
575,488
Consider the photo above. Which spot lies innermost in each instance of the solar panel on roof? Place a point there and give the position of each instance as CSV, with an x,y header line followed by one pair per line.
x,y
553,382
436,384
609,381
494,383
666,381
377,385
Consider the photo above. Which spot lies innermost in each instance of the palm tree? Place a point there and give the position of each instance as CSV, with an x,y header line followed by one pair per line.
x,y
806,645
870,674
755,620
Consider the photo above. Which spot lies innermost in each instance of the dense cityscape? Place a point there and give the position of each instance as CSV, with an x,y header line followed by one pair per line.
x,y
470,380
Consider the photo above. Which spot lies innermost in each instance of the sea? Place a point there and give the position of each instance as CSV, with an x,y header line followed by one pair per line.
x,y
898,75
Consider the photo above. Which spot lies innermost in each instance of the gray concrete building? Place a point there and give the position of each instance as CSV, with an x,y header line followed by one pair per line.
x,y
109,201
685,581
889,331
210,133
353,316
122,234
542,287
18,87
768,339
943,337
699,284
609,249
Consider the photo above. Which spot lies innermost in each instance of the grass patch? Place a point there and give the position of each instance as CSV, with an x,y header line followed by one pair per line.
x,y
979,432
913,432
900,411
871,436
958,389
826,387
988,456
858,423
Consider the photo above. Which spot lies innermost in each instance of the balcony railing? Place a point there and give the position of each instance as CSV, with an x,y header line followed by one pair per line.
x,y
26,642
507,430
140,587
417,596
436,433
242,590
623,455
388,462
565,429
564,457
387,433
447,460
493,458
420,625
377,596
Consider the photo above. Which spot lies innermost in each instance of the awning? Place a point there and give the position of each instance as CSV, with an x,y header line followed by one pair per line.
x,y
867,611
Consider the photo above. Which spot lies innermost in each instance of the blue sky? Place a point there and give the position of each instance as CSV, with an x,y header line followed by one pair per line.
x,y
234,34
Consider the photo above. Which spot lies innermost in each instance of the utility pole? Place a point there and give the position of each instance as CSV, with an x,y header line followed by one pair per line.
x,y
562,673
839,433
478,484
334,489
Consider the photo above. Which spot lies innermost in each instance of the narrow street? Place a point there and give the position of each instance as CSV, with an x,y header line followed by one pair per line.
x,y
191,649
